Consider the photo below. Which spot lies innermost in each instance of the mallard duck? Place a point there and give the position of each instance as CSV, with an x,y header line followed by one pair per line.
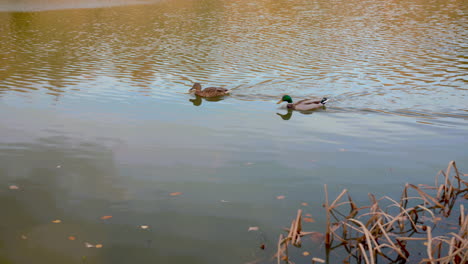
x,y
303,105
208,92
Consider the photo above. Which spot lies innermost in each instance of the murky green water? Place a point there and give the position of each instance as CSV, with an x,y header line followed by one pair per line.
x,y
96,121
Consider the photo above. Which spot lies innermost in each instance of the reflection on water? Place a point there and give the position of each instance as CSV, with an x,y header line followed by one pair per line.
x,y
286,116
198,100
290,112
387,56
95,120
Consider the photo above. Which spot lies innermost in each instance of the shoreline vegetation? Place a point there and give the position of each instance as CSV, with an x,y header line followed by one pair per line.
x,y
424,226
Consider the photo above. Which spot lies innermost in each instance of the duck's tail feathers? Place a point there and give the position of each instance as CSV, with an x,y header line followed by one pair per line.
x,y
324,100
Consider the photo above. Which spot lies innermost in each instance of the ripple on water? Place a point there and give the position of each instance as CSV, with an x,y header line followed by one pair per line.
x,y
363,54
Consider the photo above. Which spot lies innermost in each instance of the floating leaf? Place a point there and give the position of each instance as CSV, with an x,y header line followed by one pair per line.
x,y
308,219
71,238
59,166
304,204
88,245
318,260
56,221
342,150
280,197
144,227
175,193
309,215
253,228
106,217
249,163
305,253
317,237
262,246
98,246
13,187
24,237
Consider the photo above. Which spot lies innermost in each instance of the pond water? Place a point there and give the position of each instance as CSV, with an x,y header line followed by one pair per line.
x,y
96,120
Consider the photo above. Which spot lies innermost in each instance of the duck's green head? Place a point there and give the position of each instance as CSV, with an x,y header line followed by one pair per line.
x,y
285,98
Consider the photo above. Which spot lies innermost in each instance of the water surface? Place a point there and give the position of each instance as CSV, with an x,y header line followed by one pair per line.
x,y
96,120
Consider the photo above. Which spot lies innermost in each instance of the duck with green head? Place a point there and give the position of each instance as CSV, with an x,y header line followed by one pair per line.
x,y
303,105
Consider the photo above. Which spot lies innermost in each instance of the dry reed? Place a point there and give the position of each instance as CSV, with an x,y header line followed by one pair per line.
x,y
372,234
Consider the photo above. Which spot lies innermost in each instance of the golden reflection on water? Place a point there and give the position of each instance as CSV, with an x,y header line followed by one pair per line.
x,y
386,56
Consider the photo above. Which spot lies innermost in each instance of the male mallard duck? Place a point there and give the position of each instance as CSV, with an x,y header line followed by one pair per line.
x,y
208,92
303,105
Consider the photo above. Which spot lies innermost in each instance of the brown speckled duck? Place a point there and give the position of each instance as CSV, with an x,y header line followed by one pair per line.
x,y
303,105
208,92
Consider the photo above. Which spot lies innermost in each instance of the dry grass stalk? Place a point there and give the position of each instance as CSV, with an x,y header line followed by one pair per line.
x,y
372,232
327,211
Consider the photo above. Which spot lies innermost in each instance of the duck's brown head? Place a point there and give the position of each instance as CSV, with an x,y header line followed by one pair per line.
x,y
195,87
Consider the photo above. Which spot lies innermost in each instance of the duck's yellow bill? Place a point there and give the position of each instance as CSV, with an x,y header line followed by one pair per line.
x,y
280,101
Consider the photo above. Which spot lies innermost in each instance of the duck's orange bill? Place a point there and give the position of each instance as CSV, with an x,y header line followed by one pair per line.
x,y
279,102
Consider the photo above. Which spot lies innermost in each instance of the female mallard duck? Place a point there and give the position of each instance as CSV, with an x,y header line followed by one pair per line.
x,y
208,92
303,105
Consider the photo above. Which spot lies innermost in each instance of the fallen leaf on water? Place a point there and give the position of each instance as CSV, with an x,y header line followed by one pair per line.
x,y
24,237
13,187
71,238
175,193
304,204
98,246
317,237
342,150
318,260
106,217
309,215
57,221
59,166
425,243
88,245
249,163
305,253
144,227
335,226
253,228
280,197
262,246
308,219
